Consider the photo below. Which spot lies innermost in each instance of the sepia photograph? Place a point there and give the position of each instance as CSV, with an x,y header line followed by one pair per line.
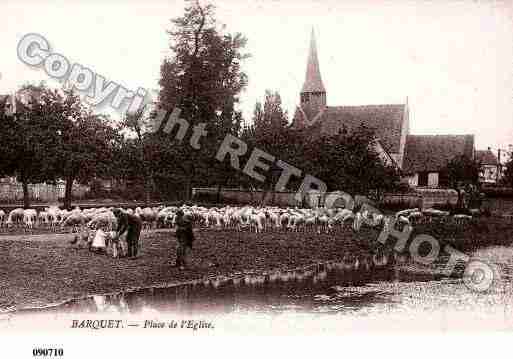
x,y
208,169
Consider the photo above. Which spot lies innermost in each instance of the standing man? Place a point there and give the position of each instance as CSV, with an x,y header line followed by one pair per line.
x,y
131,224
184,239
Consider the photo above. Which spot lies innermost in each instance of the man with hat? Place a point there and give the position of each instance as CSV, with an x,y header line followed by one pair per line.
x,y
184,239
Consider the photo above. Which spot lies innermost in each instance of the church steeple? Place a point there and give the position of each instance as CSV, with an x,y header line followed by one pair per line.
x,y
313,92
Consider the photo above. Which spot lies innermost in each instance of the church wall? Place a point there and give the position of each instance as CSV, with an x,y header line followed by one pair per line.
x,y
314,100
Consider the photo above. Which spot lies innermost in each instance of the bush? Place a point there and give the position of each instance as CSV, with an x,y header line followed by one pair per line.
x,y
495,192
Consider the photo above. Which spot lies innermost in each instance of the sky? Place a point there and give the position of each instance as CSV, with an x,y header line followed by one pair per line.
x,y
452,60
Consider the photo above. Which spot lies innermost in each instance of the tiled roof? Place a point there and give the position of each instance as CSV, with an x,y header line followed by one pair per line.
x,y
432,152
486,157
385,120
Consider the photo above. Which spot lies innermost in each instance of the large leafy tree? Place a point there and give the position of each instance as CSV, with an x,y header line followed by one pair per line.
x,y
203,78
28,139
269,119
348,162
85,141
269,131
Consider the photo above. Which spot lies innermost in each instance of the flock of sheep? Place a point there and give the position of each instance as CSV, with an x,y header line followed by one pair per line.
x,y
255,219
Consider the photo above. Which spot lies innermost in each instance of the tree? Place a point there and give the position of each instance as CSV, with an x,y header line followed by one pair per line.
x,y
85,142
270,132
138,122
269,119
460,172
338,159
28,139
203,79
508,173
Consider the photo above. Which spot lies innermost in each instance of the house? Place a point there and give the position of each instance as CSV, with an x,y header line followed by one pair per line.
x,y
427,155
6,104
489,165
10,103
420,158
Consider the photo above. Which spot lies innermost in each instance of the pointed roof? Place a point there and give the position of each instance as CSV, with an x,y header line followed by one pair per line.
x,y
313,80
486,157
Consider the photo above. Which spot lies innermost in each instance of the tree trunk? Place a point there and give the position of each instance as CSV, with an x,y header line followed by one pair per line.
x,y
459,204
218,196
68,193
26,194
147,190
188,188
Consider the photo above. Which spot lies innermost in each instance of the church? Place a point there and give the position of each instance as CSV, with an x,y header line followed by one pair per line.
x,y
419,157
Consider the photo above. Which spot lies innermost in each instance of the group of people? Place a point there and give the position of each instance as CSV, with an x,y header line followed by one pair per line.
x,y
129,226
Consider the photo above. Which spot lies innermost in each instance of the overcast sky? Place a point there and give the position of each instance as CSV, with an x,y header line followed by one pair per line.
x,y
453,60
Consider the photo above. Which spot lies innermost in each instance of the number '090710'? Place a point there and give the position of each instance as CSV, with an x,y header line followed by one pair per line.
x,y
47,352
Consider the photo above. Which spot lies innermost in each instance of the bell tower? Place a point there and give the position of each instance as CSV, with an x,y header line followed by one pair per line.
x,y
313,93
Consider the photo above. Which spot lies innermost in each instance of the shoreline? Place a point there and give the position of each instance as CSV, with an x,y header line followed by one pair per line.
x,y
46,271
209,278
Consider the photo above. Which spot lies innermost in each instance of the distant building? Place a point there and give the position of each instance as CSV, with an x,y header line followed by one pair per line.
x,y
10,103
420,158
489,165
427,155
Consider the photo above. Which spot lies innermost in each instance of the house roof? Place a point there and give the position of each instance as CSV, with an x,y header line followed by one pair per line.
x,y
486,157
313,80
385,120
432,152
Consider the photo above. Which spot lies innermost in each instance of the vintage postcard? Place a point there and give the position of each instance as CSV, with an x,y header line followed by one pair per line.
x,y
175,169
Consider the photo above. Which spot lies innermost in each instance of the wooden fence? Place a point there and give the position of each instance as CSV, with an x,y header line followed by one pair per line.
x,y
13,192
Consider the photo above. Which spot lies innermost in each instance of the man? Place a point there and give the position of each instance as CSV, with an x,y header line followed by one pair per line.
x,y
184,239
132,225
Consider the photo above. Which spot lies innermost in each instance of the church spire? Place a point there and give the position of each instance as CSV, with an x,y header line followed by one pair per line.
x,y
313,81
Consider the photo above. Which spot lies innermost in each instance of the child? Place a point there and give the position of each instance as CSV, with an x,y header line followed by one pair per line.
x,y
81,240
99,241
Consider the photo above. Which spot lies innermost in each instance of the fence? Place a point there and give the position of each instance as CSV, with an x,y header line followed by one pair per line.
x,y
437,197
420,199
236,196
13,192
